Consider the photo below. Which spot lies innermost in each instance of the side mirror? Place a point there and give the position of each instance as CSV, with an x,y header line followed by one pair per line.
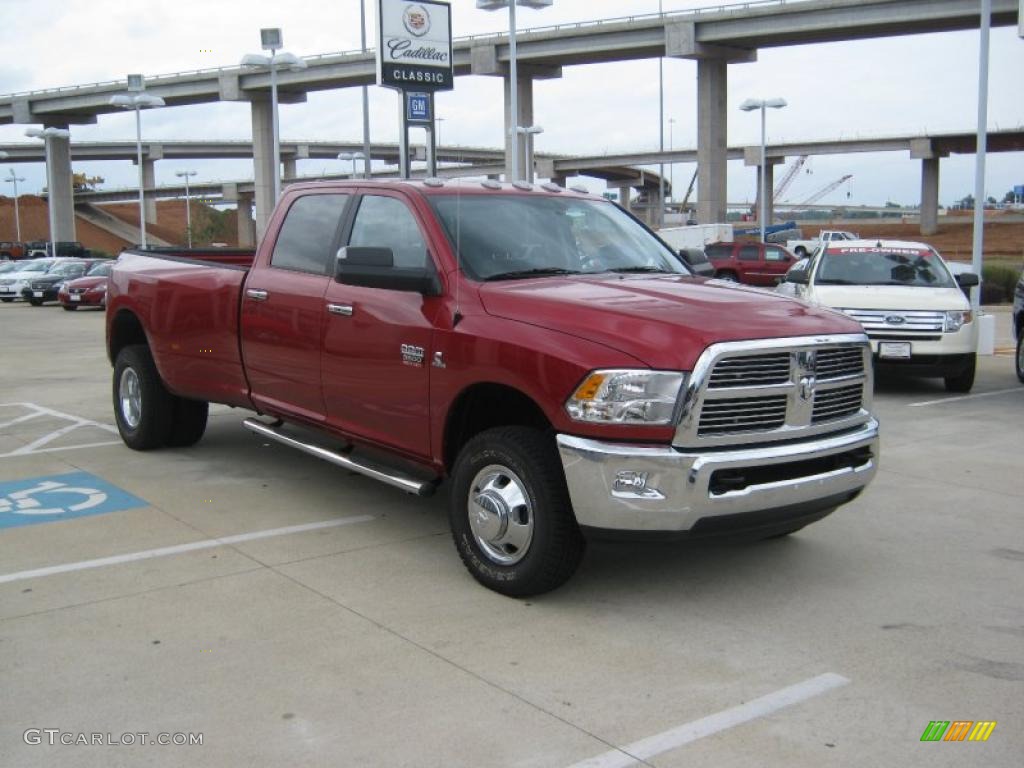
x,y
967,280
797,278
370,267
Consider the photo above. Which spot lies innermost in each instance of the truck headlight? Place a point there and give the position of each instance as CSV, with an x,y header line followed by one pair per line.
x,y
956,320
626,397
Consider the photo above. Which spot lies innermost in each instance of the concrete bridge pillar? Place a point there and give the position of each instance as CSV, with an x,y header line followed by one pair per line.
x,y
246,225
149,182
290,168
929,196
60,191
752,157
263,162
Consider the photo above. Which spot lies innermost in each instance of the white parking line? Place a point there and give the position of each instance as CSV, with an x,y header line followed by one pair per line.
x,y
179,548
37,446
964,397
647,748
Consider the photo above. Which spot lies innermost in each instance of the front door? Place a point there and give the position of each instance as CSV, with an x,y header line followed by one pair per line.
x,y
377,343
282,309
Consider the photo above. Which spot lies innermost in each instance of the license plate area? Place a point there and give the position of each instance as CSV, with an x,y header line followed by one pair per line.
x,y
894,350
75,297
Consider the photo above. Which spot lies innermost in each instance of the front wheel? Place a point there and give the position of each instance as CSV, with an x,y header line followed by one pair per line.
x,y
729,277
1020,354
510,513
964,381
6,300
143,408
69,307
36,302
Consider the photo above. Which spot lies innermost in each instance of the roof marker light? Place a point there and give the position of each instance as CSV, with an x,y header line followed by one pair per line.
x,y
523,185
580,188
490,184
551,187
433,181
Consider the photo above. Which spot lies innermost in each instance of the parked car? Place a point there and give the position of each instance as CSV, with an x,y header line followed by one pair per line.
x,y
912,308
12,283
802,248
44,288
750,263
11,250
87,291
1018,325
697,261
541,350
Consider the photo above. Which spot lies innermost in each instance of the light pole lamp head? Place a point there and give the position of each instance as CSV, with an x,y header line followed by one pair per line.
x,y
44,133
497,5
345,156
255,60
290,60
751,104
271,39
184,174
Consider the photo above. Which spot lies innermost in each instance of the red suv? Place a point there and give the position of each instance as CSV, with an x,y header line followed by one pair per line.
x,y
750,263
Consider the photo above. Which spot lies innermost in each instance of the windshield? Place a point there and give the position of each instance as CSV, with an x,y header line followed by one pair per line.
x,y
100,270
883,266
8,266
511,236
67,269
37,266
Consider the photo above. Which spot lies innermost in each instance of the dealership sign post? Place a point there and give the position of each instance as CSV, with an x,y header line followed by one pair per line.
x,y
414,56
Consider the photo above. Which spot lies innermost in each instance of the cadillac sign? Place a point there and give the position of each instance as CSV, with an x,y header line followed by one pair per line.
x,y
414,45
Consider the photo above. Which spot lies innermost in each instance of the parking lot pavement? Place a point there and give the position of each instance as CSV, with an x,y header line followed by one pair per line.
x,y
294,614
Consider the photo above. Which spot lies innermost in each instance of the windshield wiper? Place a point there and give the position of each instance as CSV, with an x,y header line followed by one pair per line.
x,y
537,272
639,269
837,281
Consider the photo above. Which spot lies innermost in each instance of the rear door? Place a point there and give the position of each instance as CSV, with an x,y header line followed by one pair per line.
x,y
377,342
283,306
777,262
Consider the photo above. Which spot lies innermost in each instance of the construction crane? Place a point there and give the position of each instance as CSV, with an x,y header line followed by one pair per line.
x,y
822,192
689,191
788,178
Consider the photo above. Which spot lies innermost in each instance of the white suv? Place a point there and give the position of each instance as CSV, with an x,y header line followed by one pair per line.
x,y
910,305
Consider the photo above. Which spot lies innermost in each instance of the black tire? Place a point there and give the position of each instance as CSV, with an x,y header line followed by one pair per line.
x,y
152,423
964,381
728,275
556,547
6,301
1020,355
36,302
69,307
189,422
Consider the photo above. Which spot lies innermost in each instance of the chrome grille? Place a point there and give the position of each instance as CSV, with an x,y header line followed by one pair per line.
x,y
776,389
750,371
742,414
884,323
837,403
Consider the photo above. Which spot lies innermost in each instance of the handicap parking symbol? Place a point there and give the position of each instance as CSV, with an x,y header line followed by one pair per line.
x,y
60,497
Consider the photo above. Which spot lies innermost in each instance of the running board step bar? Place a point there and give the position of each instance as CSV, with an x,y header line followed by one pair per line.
x,y
390,477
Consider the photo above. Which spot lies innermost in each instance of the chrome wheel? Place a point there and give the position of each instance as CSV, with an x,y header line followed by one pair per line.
x,y
500,514
130,393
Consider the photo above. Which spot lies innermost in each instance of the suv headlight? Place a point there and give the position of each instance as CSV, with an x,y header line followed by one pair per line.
x,y
626,397
956,320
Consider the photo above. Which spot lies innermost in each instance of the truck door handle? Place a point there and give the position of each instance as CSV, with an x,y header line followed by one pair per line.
x,y
340,309
256,295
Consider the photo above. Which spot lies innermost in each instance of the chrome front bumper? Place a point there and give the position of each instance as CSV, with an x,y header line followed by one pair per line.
x,y
679,487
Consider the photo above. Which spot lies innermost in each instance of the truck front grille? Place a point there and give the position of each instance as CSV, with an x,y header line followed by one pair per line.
x,y
776,389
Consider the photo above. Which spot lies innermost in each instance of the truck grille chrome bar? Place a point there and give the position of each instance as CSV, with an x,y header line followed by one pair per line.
x,y
776,389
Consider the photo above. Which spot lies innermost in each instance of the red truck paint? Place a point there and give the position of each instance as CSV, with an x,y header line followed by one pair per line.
x,y
288,358
750,263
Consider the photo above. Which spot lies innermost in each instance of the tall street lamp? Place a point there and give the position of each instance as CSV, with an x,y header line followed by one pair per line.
x,y
47,134
354,157
661,130
136,98
529,131
496,5
671,166
366,94
762,104
14,179
272,41
188,203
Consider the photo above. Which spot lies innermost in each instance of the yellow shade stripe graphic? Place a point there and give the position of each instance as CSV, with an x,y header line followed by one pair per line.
x,y
982,730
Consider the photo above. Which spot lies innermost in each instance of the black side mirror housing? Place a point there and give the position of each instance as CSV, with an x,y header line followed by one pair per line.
x,y
371,267
797,278
967,280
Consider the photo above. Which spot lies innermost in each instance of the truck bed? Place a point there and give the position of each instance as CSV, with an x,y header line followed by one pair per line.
x,y
188,300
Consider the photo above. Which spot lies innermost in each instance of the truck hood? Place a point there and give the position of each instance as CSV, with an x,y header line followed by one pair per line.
x,y
665,321
894,297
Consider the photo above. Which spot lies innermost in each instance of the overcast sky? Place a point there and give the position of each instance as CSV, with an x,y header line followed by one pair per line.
x,y
926,83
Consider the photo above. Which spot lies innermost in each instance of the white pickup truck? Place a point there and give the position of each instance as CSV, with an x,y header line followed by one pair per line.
x,y
903,294
804,248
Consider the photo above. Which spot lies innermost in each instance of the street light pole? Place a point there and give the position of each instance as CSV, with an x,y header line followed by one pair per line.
x,y
188,204
661,132
366,97
762,104
978,240
353,156
529,132
14,179
671,166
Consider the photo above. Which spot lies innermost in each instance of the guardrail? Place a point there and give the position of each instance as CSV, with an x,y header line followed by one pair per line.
x,y
578,25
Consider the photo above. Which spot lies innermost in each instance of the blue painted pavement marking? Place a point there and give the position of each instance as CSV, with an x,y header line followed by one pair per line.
x,y
60,497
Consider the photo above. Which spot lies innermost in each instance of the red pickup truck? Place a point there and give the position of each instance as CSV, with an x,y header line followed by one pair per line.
x,y
536,347
750,263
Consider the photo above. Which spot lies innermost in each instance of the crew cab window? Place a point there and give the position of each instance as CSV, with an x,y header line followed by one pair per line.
x,y
386,222
749,253
775,254
309,229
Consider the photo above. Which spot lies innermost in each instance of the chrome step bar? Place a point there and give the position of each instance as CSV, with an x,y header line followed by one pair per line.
x,y
392,478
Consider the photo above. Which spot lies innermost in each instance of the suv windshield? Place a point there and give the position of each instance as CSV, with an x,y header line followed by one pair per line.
x,y
100,270
883,266
512,236
37,266
66,269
